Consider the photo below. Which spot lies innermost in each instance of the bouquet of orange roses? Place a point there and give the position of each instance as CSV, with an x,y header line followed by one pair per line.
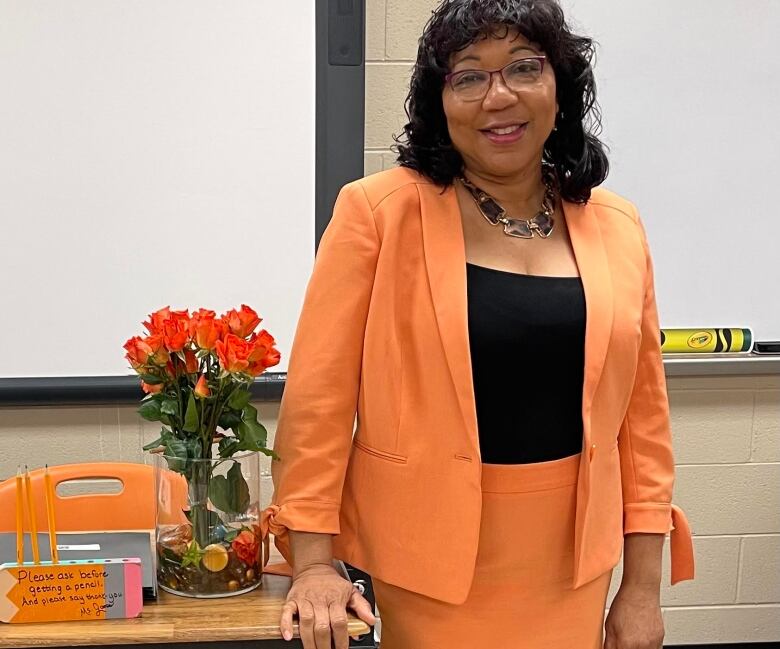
x,y
197,371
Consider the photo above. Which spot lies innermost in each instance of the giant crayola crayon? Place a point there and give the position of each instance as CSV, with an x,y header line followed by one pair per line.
x,y
98,589
706,341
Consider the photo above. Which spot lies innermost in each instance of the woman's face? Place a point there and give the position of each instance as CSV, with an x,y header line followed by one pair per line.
x,y
532,108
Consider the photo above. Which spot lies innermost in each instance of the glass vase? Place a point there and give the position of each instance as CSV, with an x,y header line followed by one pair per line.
x,y
208,527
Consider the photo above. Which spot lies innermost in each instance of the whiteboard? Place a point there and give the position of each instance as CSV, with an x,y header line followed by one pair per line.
x,y
689,92
152,153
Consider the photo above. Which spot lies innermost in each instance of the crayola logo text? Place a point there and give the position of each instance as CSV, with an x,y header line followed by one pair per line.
x,y
699,339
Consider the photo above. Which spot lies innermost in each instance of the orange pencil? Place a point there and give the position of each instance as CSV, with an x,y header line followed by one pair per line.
x,y
31,516
50,515
19,517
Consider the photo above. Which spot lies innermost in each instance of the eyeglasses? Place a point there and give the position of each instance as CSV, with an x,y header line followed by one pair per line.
x,y
472,85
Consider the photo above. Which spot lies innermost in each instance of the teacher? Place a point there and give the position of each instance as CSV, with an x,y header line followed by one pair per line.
x,y
489,315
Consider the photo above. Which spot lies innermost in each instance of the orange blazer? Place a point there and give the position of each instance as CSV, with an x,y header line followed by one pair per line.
x,y
383,334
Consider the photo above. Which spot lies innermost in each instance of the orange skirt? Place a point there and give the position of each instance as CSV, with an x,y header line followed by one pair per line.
x,y
521,596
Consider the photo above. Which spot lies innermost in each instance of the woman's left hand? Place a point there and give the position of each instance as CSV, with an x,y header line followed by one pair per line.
x,y
634,620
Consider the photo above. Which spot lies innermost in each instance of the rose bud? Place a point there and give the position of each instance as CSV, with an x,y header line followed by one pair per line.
x,y
202,387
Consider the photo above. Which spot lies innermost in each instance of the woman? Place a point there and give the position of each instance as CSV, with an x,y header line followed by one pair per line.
x,y
491,318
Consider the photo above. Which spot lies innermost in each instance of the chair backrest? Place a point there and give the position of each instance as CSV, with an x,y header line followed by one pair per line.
x,y
132,508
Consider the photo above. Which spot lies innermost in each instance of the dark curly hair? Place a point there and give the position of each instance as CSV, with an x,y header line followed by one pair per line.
x,y
573,148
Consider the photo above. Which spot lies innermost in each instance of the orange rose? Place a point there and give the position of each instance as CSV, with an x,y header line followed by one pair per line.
x,y
203,313
246,547
262,354
156,319
241,323
183,315
202,387
205,330
138,352
272,358
233,353
159,355
151,389
176,331
260,342
190,361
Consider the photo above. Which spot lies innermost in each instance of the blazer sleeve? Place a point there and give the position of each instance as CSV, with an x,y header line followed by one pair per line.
x,y
318,408
645,442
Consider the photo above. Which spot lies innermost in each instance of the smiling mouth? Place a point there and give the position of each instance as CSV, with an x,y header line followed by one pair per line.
x,y
504,130
505,135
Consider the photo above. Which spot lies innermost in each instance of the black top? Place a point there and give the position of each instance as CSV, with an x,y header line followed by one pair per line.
x,y
527,338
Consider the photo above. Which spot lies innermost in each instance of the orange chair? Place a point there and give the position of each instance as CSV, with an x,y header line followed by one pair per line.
x,y
132,508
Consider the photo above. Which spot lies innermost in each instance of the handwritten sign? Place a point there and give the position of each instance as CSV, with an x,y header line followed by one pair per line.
x,y
101,589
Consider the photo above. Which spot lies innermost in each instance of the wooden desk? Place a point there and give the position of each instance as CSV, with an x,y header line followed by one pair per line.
x,y
230,623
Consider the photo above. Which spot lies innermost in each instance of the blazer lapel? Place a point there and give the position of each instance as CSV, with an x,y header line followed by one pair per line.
x,y
591,256
445,260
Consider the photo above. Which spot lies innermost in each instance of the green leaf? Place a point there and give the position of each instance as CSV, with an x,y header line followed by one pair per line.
x,y
230,493
228,446
169,407
154,444
219,494
250,413
196,450
165,435
176,448
239,399
252,435
150,410
269,452
177,454
229,419
151,379
231,535
191,418
192,556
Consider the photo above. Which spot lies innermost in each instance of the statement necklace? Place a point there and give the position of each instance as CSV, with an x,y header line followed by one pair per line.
x,y
541,224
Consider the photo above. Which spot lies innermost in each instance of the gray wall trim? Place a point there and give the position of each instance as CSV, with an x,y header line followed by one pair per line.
x,y
105,390
118,390
725,365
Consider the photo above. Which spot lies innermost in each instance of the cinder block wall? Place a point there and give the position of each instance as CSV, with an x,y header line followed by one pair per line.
x,y
726,430
727,447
